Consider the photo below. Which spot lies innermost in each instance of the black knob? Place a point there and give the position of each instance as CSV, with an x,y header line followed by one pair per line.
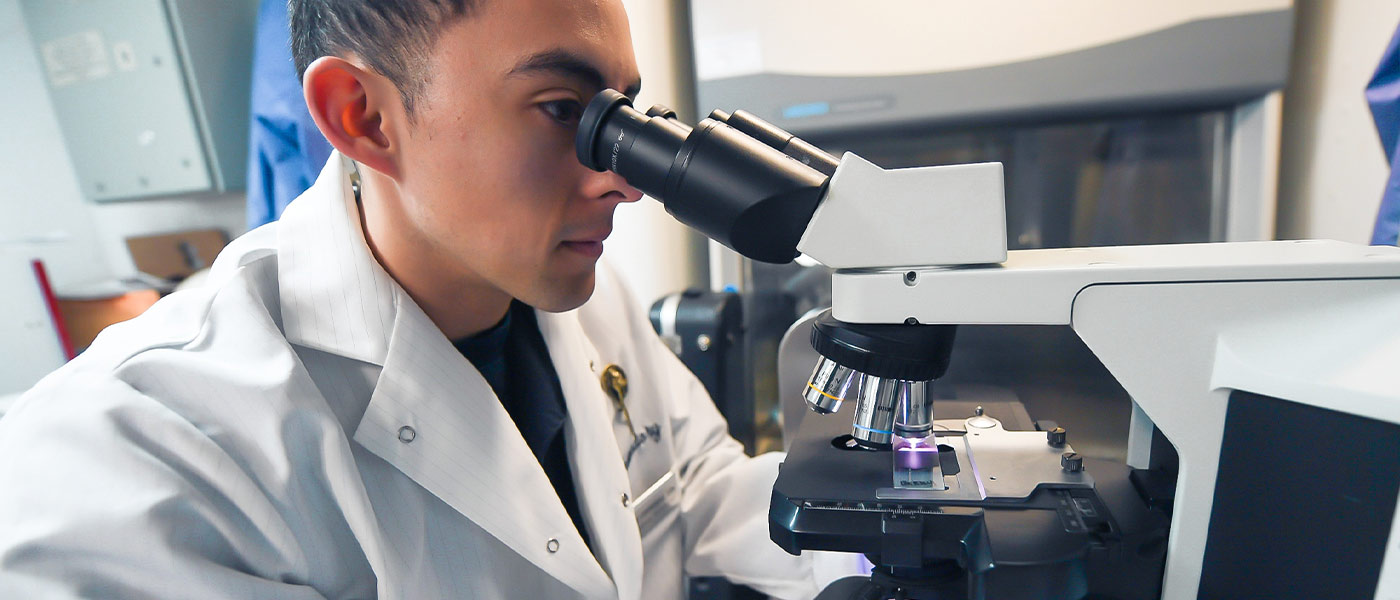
x,y
1071,462
1056,437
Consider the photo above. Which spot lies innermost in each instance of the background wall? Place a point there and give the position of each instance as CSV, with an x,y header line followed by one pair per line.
x,y
1331,167
39,194
42,199
655,253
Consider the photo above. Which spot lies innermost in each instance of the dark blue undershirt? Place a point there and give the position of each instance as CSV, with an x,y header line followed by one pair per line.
x,y
514,360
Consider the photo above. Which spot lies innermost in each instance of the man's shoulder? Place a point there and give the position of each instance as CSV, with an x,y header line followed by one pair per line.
x,y
237,304
212,357
216,335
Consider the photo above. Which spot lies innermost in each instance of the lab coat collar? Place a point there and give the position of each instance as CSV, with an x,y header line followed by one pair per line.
x,y
434,418
335,296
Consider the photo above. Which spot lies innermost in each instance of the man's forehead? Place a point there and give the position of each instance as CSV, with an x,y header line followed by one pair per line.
x,y
570,64
587,40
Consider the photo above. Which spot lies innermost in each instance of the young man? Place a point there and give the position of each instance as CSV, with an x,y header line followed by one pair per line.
x,y
362,402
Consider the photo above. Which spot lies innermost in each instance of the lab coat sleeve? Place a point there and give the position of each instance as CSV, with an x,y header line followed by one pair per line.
x,y
106,493
725,497
724,493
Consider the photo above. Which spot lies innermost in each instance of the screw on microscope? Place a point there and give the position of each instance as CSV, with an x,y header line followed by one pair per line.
x,y
1056,437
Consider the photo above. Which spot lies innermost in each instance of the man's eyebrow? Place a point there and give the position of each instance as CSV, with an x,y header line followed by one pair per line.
x,y
568,64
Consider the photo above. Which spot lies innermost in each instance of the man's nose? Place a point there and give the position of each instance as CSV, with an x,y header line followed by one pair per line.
x,y
611,186
629,193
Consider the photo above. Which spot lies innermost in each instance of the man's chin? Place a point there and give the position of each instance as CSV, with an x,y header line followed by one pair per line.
x,y
563,294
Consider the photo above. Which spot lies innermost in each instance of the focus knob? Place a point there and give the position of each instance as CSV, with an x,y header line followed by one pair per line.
x,y
1056,437
1071,462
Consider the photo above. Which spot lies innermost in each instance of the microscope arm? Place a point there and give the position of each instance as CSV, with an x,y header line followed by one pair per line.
x,y
1039,287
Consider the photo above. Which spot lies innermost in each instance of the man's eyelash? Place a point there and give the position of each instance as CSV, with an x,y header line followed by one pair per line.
x,y
571,109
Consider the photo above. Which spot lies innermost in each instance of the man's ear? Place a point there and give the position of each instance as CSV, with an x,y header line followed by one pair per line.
x,y
357,110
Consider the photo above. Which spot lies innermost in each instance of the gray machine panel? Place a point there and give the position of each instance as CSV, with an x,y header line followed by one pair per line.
x,y
143,114
215,39
1247,57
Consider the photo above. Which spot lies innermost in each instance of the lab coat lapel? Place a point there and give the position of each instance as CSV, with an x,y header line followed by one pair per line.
x,y
431,415
599,474
436,419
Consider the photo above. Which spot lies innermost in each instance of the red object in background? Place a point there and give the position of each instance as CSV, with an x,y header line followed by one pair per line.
x,y
52,303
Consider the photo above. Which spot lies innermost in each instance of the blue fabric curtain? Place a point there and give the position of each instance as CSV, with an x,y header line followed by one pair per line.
x,y
285,150
1383,94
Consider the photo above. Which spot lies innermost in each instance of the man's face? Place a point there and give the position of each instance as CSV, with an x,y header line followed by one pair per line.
x,y
492,188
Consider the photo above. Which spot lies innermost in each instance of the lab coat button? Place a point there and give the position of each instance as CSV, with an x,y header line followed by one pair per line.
x,y
552,545
406,434
626,501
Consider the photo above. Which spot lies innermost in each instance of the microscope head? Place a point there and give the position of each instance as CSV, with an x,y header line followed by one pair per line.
x,y
759,190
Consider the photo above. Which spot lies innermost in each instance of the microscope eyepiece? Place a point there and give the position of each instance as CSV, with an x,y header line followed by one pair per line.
x,y
714,178
614,136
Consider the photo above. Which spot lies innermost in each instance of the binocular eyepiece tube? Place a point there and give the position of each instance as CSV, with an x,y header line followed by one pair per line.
x,y
730,186
779,140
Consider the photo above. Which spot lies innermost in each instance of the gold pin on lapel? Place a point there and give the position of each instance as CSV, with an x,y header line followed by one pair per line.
x,y
614,382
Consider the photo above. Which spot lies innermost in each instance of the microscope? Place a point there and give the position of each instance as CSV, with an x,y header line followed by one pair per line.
x,y
1264,445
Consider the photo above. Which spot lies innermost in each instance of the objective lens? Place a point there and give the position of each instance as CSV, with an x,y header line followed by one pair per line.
x,y
829,385
891,406
874,418
914,412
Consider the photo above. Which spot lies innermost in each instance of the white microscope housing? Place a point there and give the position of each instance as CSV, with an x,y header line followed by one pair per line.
x,y
1201,336
1271,368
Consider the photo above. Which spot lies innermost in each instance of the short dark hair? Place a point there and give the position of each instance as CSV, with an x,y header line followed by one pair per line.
x,y
393,37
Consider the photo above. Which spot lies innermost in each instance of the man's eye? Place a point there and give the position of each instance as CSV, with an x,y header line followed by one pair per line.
x,y
566,112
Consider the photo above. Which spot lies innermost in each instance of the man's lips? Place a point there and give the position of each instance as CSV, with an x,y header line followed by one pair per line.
x,y
597,236
589,244
590,249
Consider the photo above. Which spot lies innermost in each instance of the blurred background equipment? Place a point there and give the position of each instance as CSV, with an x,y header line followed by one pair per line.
x,y
31,340
1383,94
704,329
151,95
285,149
174,257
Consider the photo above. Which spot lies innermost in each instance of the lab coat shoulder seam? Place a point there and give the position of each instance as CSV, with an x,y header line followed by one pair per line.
x,y
202,322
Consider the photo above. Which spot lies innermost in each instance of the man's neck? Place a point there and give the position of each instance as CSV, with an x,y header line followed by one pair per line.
x,y
460,304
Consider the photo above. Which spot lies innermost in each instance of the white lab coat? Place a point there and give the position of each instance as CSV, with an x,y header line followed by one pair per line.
x,y
298,428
